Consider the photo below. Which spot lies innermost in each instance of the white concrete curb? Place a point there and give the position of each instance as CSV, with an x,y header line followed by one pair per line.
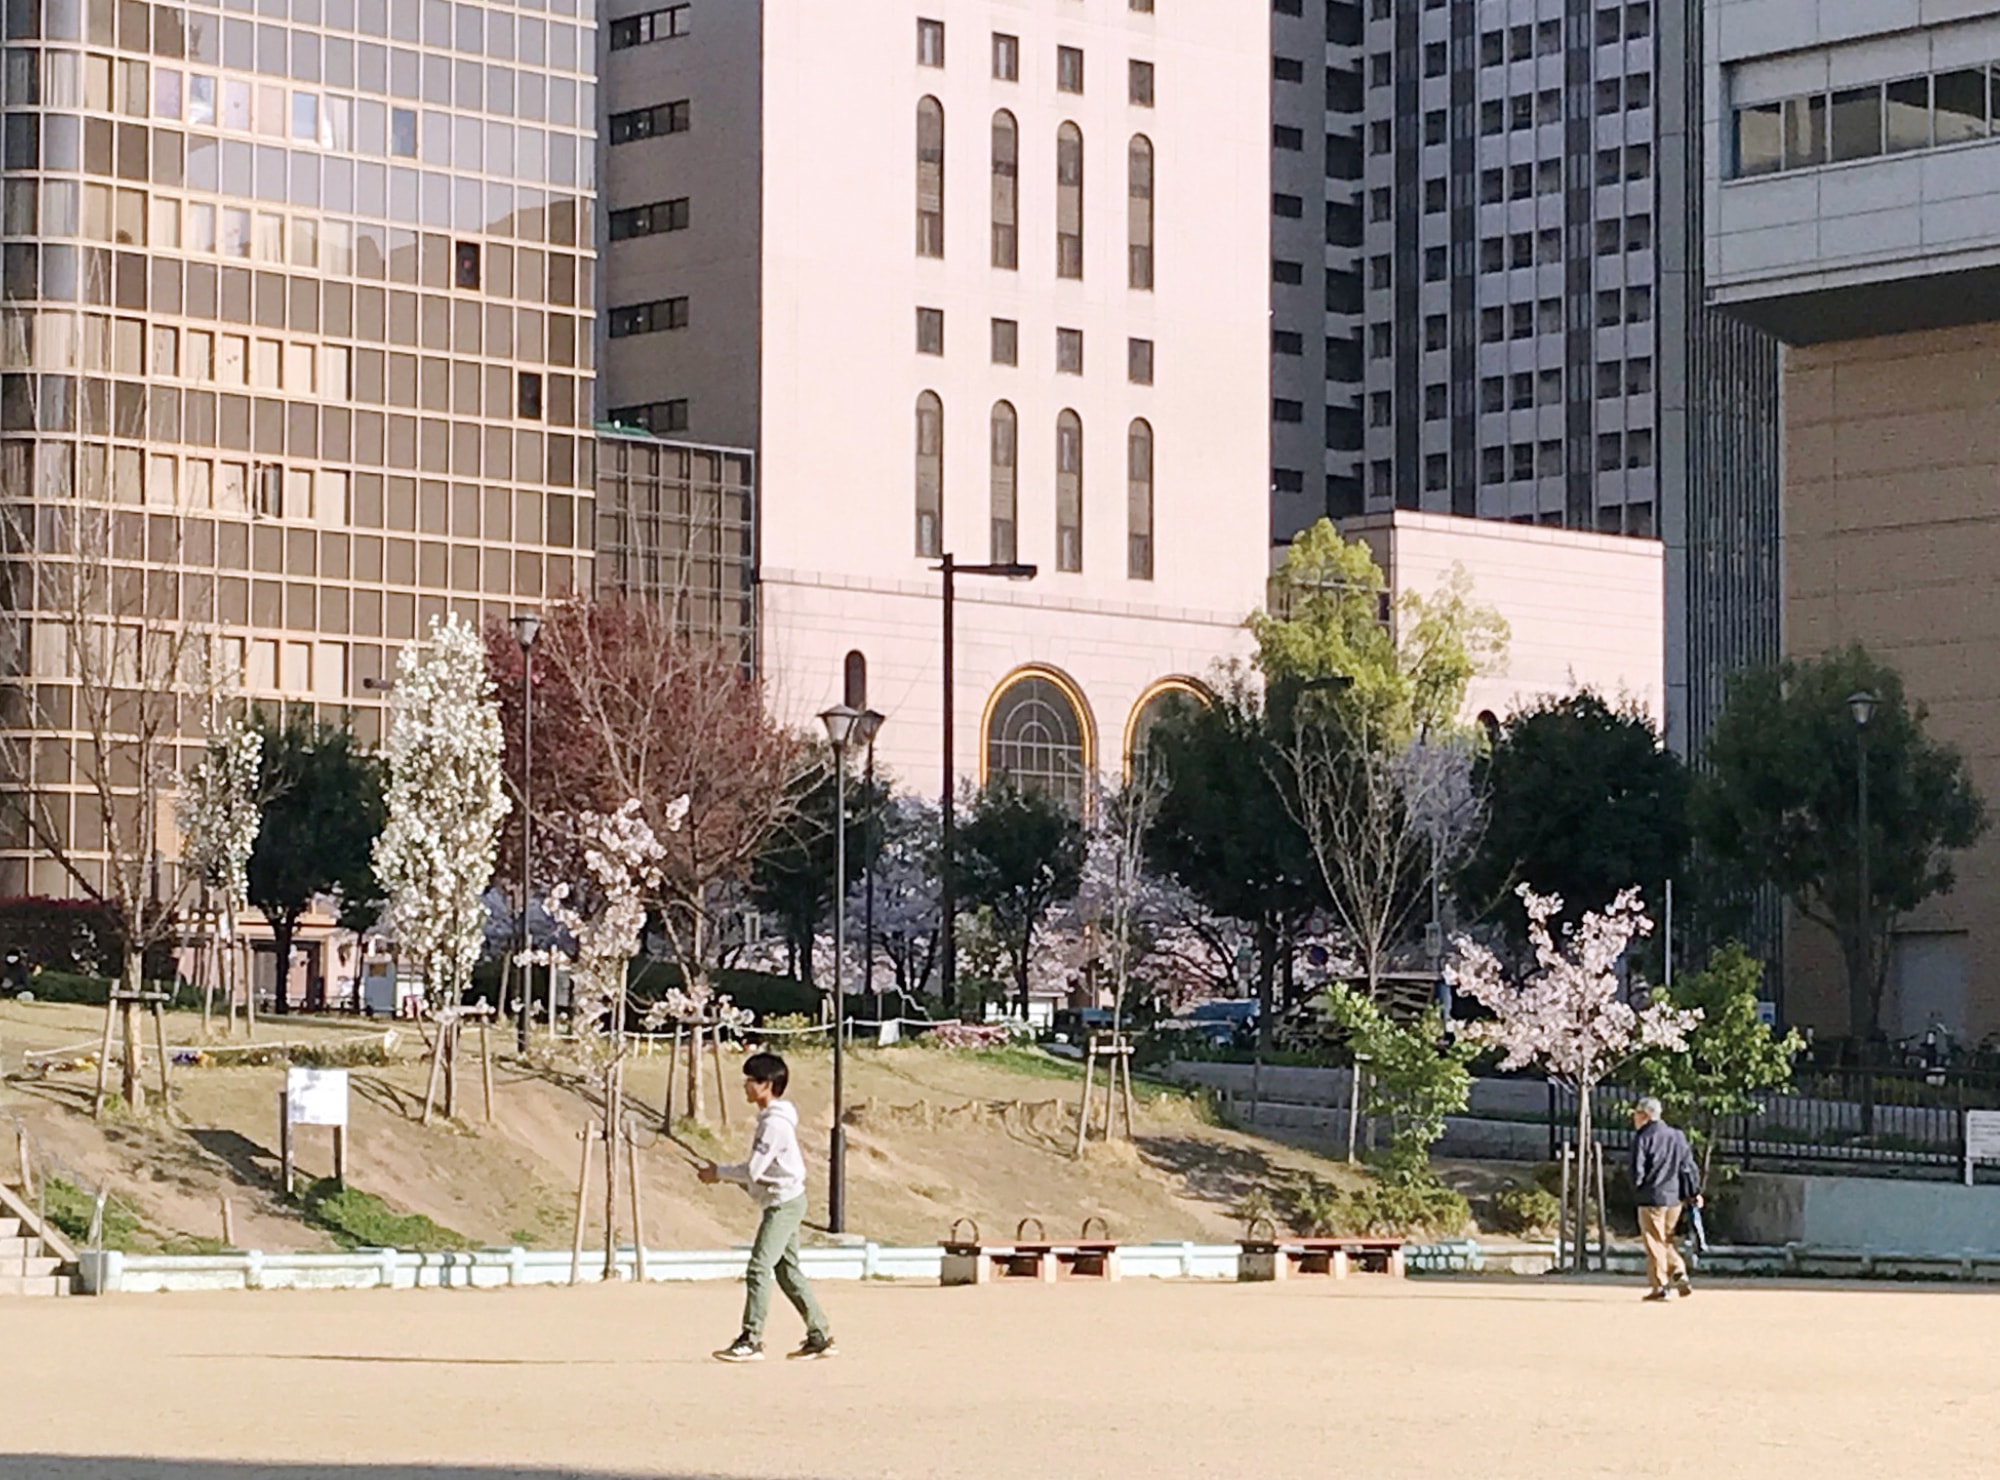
x,y
107,1271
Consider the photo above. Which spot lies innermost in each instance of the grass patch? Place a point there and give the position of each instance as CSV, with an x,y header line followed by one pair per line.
x,y
361,1220
71,1209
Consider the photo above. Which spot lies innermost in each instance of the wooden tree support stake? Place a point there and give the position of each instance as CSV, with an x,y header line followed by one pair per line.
x,y
228,1224
638,1221
486,1059
582,1202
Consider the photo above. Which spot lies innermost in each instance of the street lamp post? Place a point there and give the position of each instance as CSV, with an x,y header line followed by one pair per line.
x,y
527,627
1862,707
950,569
844,724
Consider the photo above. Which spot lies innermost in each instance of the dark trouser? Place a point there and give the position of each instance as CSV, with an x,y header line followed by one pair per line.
x,y
776,1252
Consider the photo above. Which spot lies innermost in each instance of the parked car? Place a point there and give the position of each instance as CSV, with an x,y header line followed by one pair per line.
x,y
1227,1024
1076,1024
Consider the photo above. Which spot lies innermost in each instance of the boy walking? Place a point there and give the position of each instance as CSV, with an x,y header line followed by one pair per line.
x,y
775,1177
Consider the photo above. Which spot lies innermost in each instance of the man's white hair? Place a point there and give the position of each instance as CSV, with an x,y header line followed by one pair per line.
x,y
1651,1108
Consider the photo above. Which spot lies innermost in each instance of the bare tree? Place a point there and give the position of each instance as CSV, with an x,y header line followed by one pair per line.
x,y
105,666
638,708
1383,820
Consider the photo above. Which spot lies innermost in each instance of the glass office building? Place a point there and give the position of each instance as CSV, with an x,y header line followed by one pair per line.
x,y
296,325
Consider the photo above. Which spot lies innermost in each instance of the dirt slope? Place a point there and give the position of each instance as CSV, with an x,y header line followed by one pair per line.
x,y
932,1135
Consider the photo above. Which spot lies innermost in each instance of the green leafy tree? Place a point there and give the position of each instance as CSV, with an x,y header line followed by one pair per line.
x,y
322,810
1778,803
1225,832
792,878
1020,854
1416,1075
1583,799
1730,1054
1405,669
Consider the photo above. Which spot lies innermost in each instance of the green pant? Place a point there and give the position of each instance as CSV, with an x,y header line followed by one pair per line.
x,y
776,1251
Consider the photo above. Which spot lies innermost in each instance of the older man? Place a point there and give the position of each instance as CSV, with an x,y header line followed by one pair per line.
x,y
1663,1178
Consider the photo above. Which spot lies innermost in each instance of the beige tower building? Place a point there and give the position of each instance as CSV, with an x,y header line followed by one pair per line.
x,y
987,280
297,345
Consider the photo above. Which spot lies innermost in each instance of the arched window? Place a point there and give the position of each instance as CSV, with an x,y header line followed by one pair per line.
x,y
930,475
1169,699
1069,491
1035,736
930,178
1006,190
1069,201
1139,501
1139,210
1005,502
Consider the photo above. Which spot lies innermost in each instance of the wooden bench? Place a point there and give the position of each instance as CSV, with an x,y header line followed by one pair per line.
x,y
1271,1257
967,1261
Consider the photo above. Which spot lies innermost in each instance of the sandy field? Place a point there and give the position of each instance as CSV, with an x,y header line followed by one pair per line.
x,y
1369,1380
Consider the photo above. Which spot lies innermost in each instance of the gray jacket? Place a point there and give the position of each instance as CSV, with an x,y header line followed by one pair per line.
x,y
1663,1169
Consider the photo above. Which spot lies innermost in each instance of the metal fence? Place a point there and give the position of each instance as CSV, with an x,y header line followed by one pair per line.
x,y
1882,1122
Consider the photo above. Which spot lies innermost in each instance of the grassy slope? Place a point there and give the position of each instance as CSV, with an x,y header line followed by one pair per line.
x,y
933,1136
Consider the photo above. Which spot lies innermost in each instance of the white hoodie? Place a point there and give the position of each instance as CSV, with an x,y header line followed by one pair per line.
x,y
776,1170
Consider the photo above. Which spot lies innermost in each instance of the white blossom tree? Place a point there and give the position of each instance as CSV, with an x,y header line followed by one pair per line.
x,y
1567,1015
604,922
220,815
445,804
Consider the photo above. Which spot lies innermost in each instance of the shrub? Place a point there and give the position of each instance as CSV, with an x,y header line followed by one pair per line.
x,y
973,1036
1526,1210
69,986
361,1220
71,1208
351,1053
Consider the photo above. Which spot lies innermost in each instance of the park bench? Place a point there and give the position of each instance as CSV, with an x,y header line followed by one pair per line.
x,y
1268,1256
968,1261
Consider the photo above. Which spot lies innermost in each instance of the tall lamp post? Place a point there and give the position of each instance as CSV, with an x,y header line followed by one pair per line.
x,y
527,627
950,569
844,726
1862,707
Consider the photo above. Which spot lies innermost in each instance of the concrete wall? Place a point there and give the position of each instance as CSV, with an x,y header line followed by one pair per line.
x,y
1867,1213
1892,449
1585,610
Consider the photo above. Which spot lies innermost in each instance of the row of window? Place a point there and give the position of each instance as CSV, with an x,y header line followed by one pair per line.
x,y
1005,195
1956,107
649,220
1006,346
1007,63
653,25
1003,487
1520,462
1633,305
645,123
131,88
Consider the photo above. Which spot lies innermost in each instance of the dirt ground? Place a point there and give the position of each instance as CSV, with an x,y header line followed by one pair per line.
x,y
1365,1381
936,1136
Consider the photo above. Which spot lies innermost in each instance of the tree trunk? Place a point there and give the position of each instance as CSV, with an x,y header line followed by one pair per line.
x,y
1021,969
1579,1256
1267,964
694,1072
132,1084
613,1094
284,925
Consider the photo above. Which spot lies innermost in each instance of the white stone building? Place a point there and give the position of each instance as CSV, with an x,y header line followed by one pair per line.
x,y
986,279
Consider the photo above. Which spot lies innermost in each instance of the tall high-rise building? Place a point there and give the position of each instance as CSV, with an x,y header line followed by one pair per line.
x,y
1532,339
296,327
986,282
1316,234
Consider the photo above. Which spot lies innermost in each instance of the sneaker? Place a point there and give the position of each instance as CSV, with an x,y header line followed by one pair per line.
x,y
1684,1287
1650,1295
814,1348
742,1349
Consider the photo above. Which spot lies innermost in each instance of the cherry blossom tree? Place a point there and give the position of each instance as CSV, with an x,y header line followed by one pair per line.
x,y
604,921
219,814
445,804
1567,1015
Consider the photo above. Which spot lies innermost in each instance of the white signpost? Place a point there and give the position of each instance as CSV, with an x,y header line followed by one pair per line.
x,y
313,1097
1982,1139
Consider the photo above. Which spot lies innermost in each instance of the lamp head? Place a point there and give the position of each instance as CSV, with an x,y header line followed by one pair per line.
x,y
866,723
1862,706
840,722
527,627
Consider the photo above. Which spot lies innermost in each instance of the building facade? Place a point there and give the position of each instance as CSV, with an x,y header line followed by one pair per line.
x,y
1853,210
980,280
1513,323
297,332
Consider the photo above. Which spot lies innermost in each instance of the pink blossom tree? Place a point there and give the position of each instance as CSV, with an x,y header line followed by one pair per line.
x,y
1566,1015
